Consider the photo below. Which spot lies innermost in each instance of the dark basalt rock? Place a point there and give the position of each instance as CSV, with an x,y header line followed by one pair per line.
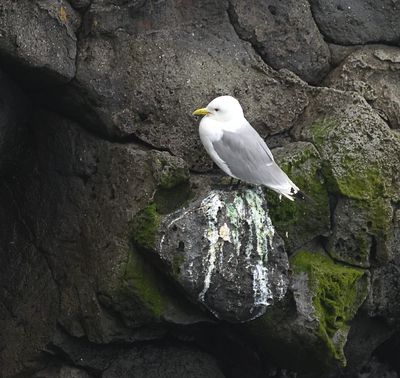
x,y
164,361
28,46
116,248
14,113
284,34
358,21
224,252
120,94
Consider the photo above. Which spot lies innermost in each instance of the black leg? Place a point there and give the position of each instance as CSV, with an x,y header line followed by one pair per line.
x,y
234,183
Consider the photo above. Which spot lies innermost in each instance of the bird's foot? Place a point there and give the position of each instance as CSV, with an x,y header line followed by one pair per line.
x,y
235,183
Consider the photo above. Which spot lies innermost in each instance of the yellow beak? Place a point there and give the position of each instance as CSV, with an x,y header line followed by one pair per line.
x,y
200,112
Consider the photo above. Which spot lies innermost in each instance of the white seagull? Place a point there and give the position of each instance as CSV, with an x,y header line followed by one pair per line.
x,y
238,149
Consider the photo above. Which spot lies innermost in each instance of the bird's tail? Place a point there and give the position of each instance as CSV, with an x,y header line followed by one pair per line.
x,y
290,191
281,183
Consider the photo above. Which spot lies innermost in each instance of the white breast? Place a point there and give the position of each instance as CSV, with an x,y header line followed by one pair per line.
x,y
211,131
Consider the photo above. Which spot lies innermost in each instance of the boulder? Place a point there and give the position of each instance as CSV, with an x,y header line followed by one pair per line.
x,y
222,250
373,72
308,330
30,49
284,34
360,155
357,21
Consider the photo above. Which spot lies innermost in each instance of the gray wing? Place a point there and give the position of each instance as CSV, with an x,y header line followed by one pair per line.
x,y
249,158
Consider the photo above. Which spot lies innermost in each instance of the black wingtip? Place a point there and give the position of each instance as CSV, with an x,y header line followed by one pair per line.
x,y
297,195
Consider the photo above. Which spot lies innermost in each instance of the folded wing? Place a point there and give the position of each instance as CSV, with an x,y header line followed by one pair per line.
x,y
249,159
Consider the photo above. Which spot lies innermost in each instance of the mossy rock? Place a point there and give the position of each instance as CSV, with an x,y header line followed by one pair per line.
x,y
362,232
171,177
360,157
308,331
141,295
168,170
360,152
140,290
145,227
337,291
299,222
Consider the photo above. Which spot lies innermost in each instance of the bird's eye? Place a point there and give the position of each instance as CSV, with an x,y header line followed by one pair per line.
x,y
217,109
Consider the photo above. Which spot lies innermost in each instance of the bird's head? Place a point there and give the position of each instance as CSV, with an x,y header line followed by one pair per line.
x,y
223,108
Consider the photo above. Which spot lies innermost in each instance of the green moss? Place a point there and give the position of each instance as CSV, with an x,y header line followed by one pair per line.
x,y
145,227
168,171
140,285
336,295
171,178
300,221
358,181
344,167
320,128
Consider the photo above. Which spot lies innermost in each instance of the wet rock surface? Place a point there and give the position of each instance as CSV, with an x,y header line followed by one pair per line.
x,y
124,252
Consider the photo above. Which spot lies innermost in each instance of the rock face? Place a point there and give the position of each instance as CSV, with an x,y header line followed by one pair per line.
x,y
224,252
123,252
325,298
164,362
284,34
359,153
26,41
14,111
301,222
358,21
122,95
374,73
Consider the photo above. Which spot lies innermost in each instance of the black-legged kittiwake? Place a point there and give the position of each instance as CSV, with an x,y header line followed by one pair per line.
x,y
238,149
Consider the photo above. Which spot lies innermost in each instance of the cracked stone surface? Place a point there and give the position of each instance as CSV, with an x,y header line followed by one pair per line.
x,y
374,72
284,34
123,95
358,21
